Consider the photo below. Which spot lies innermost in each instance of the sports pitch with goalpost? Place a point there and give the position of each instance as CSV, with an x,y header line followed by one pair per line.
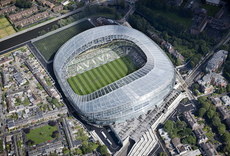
x,y
96,78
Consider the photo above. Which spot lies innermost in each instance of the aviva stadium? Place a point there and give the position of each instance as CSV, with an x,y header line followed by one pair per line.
x,y
113,73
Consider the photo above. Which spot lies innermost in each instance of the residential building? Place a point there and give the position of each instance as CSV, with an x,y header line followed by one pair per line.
x,y
180,148
213,2
226,100
19,79
49,4
200,22
46,3
219,24
192,153
6,2
191,120
7,10
58,8
217,60
65,2
5,78
5,60
212,79
24,13
216,101
209,149
224,112
46,149
172,51
200,134
34,99
32,19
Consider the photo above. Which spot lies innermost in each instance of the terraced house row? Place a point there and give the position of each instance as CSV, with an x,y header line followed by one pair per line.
x,y
32,19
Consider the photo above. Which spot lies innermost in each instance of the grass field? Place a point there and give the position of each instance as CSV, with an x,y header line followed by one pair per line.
x,y
5,28
41,134
96,78
48,46
211,10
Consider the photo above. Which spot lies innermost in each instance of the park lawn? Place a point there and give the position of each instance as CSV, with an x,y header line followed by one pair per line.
x,y
96,78
49,45
173,16
5,28
211,10
3,33
41,134
10,30
4,22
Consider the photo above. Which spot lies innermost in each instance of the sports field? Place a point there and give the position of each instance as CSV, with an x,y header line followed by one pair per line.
x,y
96,78
41,134
49,45
5,28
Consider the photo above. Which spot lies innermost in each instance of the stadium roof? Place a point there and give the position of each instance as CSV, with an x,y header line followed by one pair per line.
x,y
136,92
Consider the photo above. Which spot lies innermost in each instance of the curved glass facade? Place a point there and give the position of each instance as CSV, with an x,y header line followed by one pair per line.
x,y
127,97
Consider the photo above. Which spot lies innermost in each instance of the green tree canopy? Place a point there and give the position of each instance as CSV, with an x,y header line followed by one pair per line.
x,y
169,125
221,129
201,112
210,114
189,140
216,121
103,150
226,137
180,124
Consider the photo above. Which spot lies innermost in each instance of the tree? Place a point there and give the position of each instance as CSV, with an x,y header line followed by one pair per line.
x,y
216,121
43,32
227,148
180,124
169,125
18,100
92,146
189,140
163,154
226,137
65,151
201,112
78,151
52,123
210,114
55,26
185,132
26,130
54,101
103,150
228,88
30,142
85,149
49,99
205,105
195,86
221,129
121,3
55,134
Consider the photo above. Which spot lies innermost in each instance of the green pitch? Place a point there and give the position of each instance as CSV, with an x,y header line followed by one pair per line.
x,y
96,78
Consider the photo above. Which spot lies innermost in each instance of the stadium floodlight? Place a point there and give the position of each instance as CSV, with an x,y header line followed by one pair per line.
x,y
113,73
